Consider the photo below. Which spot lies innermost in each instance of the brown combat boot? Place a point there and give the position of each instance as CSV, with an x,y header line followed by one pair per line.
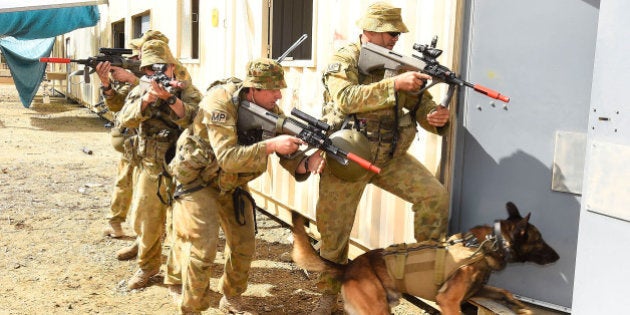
x,y
141,278
234,305
114,230
326,305
127,253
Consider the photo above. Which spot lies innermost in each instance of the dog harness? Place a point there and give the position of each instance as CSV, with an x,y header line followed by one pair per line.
x,y
422,268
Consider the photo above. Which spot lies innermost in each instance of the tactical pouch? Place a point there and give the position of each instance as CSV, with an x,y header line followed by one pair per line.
x,y
118,139
420,269
130,147
406,134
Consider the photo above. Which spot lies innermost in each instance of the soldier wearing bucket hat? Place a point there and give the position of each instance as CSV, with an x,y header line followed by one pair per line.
x,y
116,83
159,117
373,105
212,169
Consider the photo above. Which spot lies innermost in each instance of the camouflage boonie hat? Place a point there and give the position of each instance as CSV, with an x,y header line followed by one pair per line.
x,y
382,17
137,43
266,74
156,51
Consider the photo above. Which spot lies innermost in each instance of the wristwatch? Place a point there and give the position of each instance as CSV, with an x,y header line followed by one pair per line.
x,y
171,100
103,88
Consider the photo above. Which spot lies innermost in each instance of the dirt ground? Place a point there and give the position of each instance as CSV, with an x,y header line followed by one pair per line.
x,y
55,199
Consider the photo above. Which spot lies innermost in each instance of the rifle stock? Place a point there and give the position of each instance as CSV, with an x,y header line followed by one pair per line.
x,y
256,122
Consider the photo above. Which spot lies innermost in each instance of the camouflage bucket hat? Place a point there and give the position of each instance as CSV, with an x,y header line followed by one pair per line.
x,y
156,51
382,17
266,74
136,44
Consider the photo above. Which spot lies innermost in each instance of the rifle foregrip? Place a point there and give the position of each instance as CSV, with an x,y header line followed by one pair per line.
x,y
364,163
491,93
56,60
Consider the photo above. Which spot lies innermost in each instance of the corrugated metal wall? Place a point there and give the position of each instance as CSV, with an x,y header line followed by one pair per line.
x,y
241,34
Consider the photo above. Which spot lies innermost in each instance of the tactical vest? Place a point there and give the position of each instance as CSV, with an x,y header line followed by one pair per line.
x,y
420,269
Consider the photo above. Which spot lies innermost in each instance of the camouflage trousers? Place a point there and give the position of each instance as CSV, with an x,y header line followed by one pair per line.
x,y
149,213
403,176
123,190
196,220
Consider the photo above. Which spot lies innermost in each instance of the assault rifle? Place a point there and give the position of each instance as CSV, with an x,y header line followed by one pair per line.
x,y
256,123
376,57
158,76
113,55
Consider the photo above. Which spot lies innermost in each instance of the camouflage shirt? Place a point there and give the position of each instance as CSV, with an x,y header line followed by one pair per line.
x,y
216,123
158,116
116,100
371,97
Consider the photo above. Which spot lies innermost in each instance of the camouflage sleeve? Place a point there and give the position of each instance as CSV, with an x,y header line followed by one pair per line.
x,y
427,105
131,115
219,117
190,97
290,164
341,78
116,101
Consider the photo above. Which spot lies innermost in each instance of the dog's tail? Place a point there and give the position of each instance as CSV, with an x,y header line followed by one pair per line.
x,y
305,256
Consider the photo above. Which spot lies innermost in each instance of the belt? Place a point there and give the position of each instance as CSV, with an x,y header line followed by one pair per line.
x,y
381,137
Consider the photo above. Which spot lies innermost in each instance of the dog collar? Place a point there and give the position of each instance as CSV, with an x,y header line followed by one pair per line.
x,y
505,247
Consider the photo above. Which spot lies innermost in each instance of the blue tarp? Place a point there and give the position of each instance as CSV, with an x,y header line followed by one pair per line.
x,y
36,24
30,35
22,56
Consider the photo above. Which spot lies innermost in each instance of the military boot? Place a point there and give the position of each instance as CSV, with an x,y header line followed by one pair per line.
x,y
127,253
141,278
114,230
234,305
326,305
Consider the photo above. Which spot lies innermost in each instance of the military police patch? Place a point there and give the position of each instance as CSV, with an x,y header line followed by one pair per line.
x,y
334,67
218,116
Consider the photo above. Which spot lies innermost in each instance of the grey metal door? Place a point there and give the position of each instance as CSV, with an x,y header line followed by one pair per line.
x,y
531,151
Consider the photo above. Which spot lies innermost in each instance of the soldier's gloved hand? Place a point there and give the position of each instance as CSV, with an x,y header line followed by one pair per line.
x,y
283,144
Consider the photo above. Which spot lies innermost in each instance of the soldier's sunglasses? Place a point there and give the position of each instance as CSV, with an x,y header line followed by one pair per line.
x,y
394,34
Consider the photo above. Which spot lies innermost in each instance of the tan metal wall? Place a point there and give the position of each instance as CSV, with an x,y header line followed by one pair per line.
x,y
241,35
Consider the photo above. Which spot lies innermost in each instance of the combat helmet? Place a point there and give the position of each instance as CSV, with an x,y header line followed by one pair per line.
x,y
349,140
266,74
382,17
156,51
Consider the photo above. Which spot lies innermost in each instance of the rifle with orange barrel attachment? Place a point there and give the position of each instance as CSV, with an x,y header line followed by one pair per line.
x,y
113,55
256,123
376,57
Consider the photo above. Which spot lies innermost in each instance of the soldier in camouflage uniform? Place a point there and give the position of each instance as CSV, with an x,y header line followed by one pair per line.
x,y
212,168
116,83
159,117
374,105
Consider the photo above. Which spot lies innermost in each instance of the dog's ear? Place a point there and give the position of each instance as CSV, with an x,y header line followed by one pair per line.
x,y
512,211
521,226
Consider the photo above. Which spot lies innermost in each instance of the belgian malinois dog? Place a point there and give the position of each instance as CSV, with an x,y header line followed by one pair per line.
x,y
374,282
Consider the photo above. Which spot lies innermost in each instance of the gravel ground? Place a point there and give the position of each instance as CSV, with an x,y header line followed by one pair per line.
x,y
53,257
